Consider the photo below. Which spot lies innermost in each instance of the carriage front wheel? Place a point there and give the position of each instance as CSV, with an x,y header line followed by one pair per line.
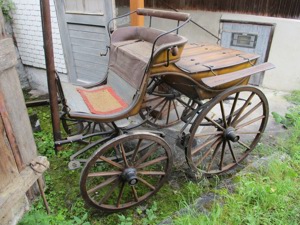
x,y
227,130
126,171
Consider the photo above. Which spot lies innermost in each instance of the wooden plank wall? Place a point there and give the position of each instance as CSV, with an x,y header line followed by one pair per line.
x,y
274,8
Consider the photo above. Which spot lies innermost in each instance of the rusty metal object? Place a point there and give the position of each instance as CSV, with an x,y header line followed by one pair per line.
x,y
10,134
49,55
126,171
226,131
40,183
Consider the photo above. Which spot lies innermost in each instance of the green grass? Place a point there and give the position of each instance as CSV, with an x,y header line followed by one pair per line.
x,y
66,204
266,196
269,196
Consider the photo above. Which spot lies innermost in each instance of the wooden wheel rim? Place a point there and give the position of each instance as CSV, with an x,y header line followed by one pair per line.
x,y
218,142
105,148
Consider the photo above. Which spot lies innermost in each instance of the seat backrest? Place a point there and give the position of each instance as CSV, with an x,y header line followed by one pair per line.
x,y
131,51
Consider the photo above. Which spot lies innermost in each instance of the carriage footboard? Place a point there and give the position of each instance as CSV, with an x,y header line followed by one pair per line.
x,y
225,78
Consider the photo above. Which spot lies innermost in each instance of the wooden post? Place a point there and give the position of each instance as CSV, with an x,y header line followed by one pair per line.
x,y
134,18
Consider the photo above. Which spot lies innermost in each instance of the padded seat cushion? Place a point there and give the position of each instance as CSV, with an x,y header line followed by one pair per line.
x,y
129,60
102,100
131,49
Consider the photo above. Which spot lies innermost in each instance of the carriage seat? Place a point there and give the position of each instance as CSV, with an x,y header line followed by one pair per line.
x,y
130,52
131,49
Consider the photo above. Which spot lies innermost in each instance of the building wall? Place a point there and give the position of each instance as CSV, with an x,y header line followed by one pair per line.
x,y
28,32
284,52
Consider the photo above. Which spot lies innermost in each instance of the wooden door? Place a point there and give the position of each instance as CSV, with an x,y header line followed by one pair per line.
x,y
84,36
247,37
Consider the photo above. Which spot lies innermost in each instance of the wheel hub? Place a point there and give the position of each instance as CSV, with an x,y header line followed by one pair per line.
x,y
129,175
230,134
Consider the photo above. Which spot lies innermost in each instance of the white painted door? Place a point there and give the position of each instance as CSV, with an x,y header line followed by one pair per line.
x,y
84,36
247,37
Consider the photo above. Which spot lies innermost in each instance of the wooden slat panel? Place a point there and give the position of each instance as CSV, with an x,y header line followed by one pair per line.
x,y
86,19
225,78
200,58
17,189
88,64
86,35
87,57
88,43
91,6
91,51
90,72
8,167
8,57
92,29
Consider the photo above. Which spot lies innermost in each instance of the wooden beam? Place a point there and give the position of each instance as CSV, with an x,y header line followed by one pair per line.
x,y
10,134
136,20
17,189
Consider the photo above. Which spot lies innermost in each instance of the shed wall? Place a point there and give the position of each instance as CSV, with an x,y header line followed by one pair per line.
x,y
28,32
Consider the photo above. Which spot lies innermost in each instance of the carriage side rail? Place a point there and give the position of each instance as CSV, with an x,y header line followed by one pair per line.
x,y
225,78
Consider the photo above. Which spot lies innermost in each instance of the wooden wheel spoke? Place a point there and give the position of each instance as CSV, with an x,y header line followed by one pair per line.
x,y
213,156
136,150
104,174
244,145
103,184
208,151
214,123
223,114
134,192
124,155
222,155
120,195
233,108
146,183
208,134
240,111
152,109
109,192
113,187
152,173
160,112
231,151
250,122
152,162
150,152
152,99
203,145
168,115
246,132
247,114
111,162
176,111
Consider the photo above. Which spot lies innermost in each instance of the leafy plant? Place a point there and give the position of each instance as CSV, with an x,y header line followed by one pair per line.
x,y
7,6
123,220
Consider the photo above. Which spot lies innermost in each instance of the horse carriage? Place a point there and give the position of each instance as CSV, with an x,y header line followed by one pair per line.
x,y
157,75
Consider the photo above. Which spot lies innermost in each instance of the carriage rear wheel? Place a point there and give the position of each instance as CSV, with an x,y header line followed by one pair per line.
x,y
126,171
227,130
163,107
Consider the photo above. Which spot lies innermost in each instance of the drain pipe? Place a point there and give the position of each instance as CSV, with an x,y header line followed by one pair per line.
x,y
49,56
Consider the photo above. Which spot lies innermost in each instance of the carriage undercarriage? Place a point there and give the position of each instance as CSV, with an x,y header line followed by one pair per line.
x,y
166,81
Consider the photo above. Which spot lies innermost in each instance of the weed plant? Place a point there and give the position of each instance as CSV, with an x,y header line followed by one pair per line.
x,y
63,194
269,195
